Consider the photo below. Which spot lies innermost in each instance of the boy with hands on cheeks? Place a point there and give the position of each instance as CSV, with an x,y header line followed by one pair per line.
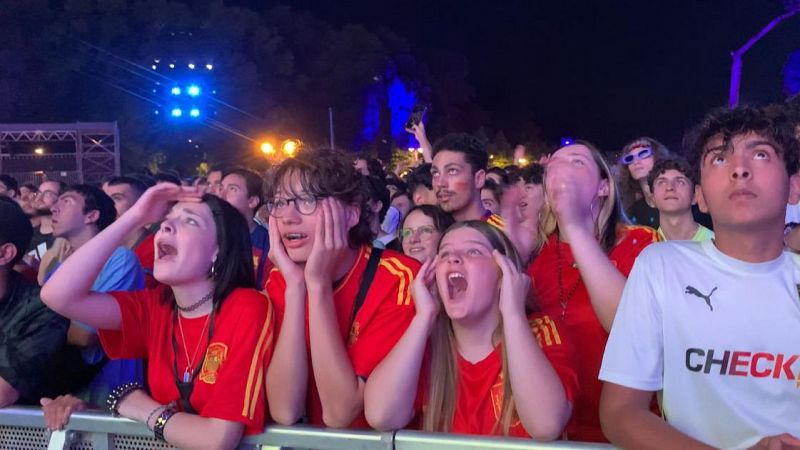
x,y
329,343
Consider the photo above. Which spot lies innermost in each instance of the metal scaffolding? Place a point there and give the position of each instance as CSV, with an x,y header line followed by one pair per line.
x,y
96,152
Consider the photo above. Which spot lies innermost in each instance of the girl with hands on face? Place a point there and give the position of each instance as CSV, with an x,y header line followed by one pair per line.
x,y
472,360
587,249
202,331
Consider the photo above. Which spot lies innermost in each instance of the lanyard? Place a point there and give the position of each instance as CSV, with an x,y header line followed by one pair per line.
x,y
186,385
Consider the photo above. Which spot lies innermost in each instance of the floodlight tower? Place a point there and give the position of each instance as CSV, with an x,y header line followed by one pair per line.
x,y
791,7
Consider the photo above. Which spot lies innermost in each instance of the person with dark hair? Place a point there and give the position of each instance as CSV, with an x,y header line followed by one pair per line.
x,y
498,175
384,219
638,157
402,202
351,300
206,332
394,184
167,177
8,186
369,167
473,361
586,250
420,186
125,191
30,333
214,180
459,173
713,325
82,212
422,228
491,195
244,189
530,206
27,193
42,222
673,188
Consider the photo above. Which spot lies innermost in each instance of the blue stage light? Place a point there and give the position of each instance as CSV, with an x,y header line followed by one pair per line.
x,y
565,141
176,91
194,112
176,112
193,90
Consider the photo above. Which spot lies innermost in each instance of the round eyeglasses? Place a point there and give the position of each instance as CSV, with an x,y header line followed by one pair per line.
x,y
304,205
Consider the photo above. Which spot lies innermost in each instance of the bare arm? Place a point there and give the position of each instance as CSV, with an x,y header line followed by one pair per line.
x,y
341,392
287,375
183,430
8,395
627,421
392,386
602,280
539,396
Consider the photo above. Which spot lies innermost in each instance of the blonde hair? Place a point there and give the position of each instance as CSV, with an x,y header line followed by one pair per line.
x,y
443,381
609,216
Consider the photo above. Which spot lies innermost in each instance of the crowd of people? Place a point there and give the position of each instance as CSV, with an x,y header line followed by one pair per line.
x,y
580,297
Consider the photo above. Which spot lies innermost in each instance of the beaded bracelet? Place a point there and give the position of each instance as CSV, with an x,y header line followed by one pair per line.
x,y
119,393
161,422
152,413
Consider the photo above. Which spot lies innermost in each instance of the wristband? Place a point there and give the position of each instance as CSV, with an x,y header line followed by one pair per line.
x,y
118,394
152,413
161,422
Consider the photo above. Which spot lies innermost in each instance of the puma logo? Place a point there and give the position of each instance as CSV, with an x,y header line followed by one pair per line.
x,y
692,290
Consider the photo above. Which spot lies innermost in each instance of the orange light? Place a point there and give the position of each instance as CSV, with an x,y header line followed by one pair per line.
x,y
267,148
290,147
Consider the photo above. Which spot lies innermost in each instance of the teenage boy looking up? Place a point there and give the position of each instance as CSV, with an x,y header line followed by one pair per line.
x,y
459,173
81,212
30,333
327,346
244,189
715,324
673,187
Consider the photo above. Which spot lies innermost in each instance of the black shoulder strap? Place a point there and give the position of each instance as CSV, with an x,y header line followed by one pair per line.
x,y
366,281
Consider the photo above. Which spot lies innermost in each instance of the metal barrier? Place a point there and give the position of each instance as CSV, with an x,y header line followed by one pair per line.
x,y
22,428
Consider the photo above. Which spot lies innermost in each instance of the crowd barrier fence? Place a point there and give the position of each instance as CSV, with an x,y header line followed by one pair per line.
x,y
22,428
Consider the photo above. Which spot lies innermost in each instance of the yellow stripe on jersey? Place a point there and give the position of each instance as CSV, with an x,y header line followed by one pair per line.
x,y
409,278
264,340
545,331
402,290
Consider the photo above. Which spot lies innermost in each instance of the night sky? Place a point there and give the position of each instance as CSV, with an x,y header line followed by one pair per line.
x,y
602,71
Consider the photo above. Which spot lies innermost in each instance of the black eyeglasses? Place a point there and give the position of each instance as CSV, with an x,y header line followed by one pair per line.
x,y
631,157
304,205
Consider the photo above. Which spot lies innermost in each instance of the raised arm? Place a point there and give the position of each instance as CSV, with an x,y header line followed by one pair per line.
x,y
392,386
68,291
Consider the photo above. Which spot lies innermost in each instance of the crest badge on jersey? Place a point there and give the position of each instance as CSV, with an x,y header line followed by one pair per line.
x,y
215,356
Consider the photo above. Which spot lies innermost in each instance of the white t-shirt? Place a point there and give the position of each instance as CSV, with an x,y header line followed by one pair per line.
x,y
720,336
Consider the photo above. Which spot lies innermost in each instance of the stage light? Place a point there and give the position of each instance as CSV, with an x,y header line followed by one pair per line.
x,y
193,90
194,112
176,91
176,112
565,141
267,148
209,66
172,66
191,66
522,162
154,67
39,150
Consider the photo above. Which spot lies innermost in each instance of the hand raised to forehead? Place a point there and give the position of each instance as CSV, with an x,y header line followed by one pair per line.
x,y
153,205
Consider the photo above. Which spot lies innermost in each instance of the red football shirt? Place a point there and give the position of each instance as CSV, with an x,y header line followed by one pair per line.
x,y
479,399
230,385
145,251
383,318
579,319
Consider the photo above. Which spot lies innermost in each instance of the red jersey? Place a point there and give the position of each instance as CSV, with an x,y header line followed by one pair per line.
x,y
380,322
145,251
230,384
578,318
479,399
